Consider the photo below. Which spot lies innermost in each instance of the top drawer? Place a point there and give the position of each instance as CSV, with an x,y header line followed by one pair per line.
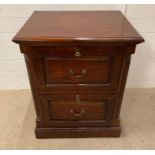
x,y
74,52
82,69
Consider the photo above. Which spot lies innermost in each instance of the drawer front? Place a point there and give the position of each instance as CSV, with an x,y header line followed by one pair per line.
x,y
86,110
77,71
77,109
99,69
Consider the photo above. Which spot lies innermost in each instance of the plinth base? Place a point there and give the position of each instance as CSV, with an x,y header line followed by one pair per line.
x,y
77,132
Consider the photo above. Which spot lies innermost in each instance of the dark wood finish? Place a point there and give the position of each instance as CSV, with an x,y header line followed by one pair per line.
x,y
77,64
74,109
88,109
67,26
77,132
101,70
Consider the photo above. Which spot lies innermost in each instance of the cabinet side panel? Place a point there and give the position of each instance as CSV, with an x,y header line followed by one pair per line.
x,y
122,82
26,50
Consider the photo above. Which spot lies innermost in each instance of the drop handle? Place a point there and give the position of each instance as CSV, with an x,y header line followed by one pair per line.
x,y
72,73
77,114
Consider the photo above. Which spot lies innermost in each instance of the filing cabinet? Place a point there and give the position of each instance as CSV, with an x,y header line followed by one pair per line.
x,y
77,63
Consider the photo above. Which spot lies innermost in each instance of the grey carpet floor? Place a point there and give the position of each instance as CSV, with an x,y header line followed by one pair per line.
x,y
17,123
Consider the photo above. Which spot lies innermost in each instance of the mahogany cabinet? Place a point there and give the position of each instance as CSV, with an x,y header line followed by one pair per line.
x,y
77,63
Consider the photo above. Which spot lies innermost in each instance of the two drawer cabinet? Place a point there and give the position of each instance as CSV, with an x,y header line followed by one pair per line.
x,y
77,64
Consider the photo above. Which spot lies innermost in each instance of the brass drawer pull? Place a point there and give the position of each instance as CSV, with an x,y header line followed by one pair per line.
x,y
77,114
77,52
83,72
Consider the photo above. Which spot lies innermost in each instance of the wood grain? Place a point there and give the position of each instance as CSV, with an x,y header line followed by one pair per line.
x,y
70,26
78,64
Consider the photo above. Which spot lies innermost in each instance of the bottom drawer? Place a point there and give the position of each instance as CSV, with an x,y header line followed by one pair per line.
x,y
86,110
67,110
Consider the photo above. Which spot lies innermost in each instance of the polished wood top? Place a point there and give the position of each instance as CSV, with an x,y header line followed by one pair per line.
x,y
74,26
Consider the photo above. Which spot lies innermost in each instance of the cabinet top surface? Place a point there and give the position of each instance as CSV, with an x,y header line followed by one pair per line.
x,y
56,26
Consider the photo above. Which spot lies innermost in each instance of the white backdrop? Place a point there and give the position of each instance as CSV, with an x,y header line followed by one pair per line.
x,y
13,74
